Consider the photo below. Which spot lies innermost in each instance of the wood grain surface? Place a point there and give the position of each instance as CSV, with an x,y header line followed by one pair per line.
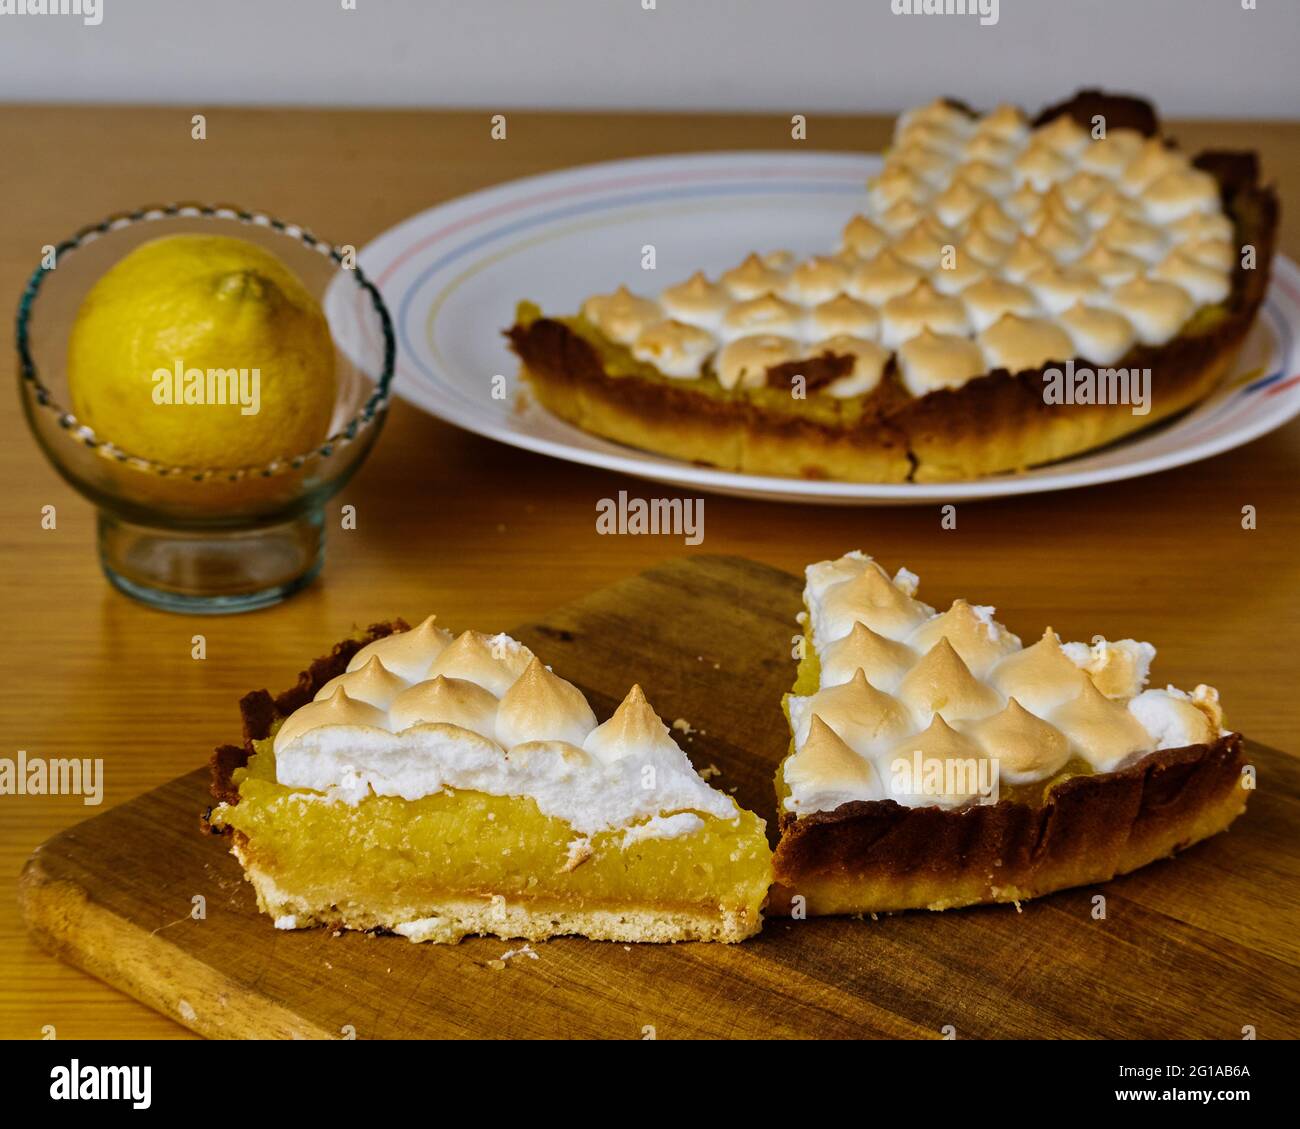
x,y
491,536
1185,949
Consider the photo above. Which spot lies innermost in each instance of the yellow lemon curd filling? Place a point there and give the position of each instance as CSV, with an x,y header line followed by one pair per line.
x,y
403,857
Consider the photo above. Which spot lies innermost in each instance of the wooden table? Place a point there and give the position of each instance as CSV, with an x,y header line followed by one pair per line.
x,y
488,536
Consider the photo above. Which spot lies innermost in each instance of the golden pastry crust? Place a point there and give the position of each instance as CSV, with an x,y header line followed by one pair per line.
x,y
995,423
878,856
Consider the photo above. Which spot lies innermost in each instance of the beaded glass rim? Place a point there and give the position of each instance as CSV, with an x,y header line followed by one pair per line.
x,y
365,418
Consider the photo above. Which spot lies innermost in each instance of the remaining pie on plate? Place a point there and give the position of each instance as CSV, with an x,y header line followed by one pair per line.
x,y
435,786
936,762
990,248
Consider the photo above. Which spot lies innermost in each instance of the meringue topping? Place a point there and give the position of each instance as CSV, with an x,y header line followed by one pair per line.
x,y
1090,243
408,654
744,362
697,301
621,316
959,688
1015,343
529,733
826,773
674,348
372,683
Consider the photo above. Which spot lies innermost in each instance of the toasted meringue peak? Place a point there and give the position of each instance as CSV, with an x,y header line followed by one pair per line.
x,y
1040,677
1022,203
1006,121
1026,258
1059,288
541,706
845,315
632,727
372,682
752,278
987,300
1157,309
938,360
1110,204
1016,343
957,203
765,314
1181,193
824,574
1207,285
942,683
895,183
1081,189
1124,233
988,249
990,219
408,654
923,245
1109,156
1216,253
621,316
974,634
884,277
1103,732
743,363
930,135
939,112
922,307
1064,241
932,166
1063,135
825,773
991,149
883,661
1154,160
963,272
1026,747
697,301
446,701
1040,166
872,598
674,348
493,661
901,216
865,719
1118,669
1213,225
337,710
863,238
1100,336
1111,265
937,766
991,179
815,280
869,361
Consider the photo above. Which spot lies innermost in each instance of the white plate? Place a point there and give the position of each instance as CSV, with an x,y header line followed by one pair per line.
x,y
452,275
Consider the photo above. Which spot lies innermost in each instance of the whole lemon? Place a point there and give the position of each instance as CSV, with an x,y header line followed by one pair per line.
x,y
202,351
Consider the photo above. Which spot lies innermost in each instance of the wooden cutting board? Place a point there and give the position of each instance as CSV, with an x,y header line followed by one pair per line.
x,y
1200,946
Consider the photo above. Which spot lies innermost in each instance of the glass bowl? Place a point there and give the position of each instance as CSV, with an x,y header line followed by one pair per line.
x,y
198,539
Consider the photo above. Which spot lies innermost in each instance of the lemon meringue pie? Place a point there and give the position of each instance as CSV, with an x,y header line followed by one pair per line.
x,y
436,786
990,248
936,761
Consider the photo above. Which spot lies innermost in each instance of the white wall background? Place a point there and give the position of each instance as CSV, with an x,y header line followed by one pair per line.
x,y
1193,57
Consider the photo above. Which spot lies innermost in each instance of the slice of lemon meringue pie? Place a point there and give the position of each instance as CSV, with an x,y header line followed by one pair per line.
x,y
435,787
936,762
